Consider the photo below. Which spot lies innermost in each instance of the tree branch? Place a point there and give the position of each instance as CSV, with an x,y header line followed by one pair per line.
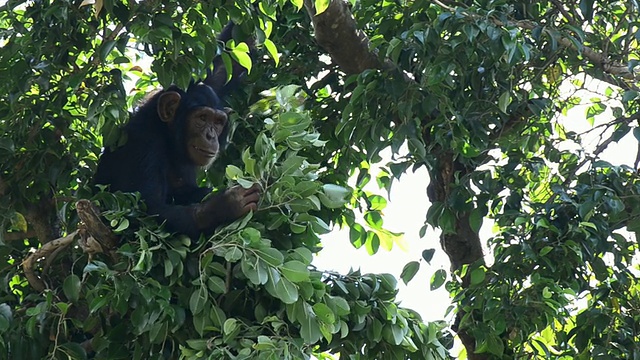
x,y
97,237
596,58
336,32
558,5
44,252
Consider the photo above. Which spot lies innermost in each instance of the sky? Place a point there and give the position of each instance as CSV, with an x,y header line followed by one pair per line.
x,y
405,212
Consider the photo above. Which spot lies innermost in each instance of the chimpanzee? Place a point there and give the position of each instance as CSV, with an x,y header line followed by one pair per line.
x,y
168,138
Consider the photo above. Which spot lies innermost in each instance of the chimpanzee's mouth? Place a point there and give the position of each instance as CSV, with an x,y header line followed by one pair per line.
x,y
205,152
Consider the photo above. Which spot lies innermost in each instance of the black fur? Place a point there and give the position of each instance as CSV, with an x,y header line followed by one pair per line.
x,y
154,161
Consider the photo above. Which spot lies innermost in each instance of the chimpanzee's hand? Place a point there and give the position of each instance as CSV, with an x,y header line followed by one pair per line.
x,y
239,201
226,207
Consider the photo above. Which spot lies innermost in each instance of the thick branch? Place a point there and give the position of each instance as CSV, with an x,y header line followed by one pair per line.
x,y
336,31
95,229
46,251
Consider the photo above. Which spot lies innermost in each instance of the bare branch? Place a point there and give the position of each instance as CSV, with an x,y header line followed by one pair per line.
x,y
44,252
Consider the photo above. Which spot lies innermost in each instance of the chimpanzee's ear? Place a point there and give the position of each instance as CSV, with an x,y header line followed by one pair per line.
x,y
227,110
168,104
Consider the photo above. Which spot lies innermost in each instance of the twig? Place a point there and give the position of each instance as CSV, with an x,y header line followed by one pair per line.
x,y
564,12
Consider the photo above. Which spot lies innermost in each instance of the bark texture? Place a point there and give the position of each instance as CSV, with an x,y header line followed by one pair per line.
x,y
336,32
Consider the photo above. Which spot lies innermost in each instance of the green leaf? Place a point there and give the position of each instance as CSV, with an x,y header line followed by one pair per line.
x,y
334,196
357,235
321,6
388,282
475,220
264,343
217,316
291,164
267,9
272,50
636,133
250,235
228,65
271,256
342,306
6,317
378,203
374,219
230,325
630,95
504,101
437,279
295,271
586,8
286,291
324,313
303,254
409,271
241,56
233,172
216,285
427,255
545,250
255,270
71,287
158,332
197,301
477,275
7,144
309,327
106,48
394,49
123,225
298,4
306,188
373,243
234,254
447,221
199,344
73,351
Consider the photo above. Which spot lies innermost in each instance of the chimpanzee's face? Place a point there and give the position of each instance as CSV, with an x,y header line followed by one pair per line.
x,y
202,132
205,131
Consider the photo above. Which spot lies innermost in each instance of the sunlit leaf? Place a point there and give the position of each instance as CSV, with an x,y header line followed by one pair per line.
x,y
437,279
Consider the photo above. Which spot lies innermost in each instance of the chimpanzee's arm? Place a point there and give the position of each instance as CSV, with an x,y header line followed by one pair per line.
x,y
220,209
217,78
190,195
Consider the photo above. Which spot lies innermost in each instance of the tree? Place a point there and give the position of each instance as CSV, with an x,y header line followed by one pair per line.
x,y
476,90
